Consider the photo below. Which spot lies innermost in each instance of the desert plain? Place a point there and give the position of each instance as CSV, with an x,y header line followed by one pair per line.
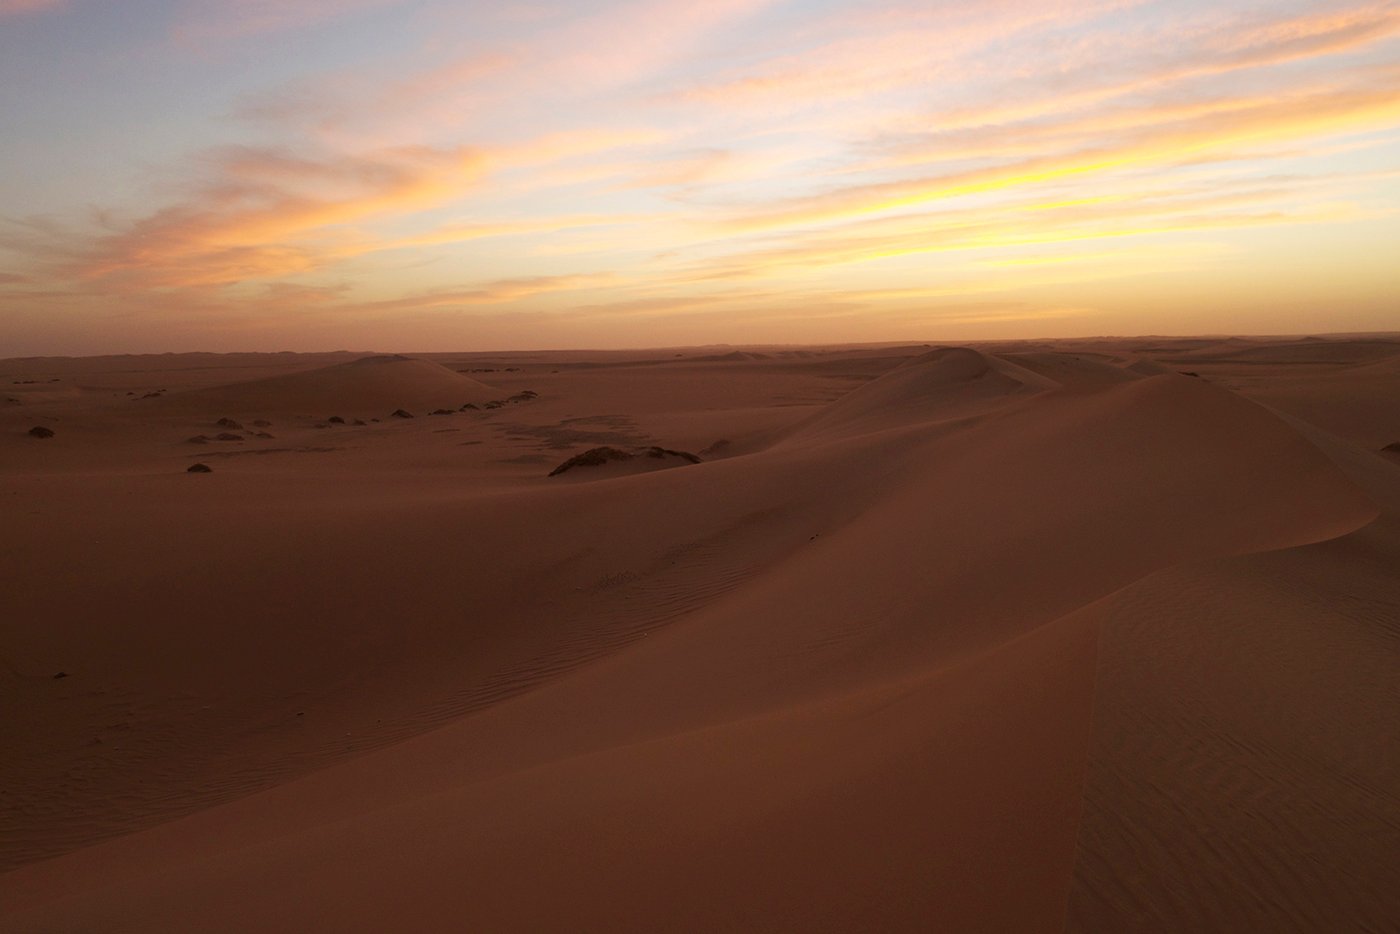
x,y
1082,635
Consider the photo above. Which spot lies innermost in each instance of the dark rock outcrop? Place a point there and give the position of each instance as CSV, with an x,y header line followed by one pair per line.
x,y
39,431
596,457
199,468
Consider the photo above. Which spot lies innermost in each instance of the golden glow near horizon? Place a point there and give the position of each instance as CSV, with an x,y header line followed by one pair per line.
x,y
243,174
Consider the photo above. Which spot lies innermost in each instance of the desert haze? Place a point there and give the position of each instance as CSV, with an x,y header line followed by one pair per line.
x,y
1086,635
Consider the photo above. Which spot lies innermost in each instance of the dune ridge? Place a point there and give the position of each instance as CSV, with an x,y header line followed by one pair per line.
x,y
889,668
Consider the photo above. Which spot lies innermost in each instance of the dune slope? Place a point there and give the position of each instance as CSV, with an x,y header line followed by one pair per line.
x,y
850,681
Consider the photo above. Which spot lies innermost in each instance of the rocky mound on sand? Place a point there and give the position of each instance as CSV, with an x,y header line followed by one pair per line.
x,y
370,384
39,431
642,459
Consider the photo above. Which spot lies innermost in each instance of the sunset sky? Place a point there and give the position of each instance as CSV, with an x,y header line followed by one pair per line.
x,y
373,174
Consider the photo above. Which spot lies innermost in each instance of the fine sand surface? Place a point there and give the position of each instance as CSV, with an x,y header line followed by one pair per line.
x,y
1088,635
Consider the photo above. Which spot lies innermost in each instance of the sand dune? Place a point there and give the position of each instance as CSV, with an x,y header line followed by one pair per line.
x,y
941,384
377,384
1017,641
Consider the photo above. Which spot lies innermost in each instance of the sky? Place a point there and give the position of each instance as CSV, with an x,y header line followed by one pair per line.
x,y
404,175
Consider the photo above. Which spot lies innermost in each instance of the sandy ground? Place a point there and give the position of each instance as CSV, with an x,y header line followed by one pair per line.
x,y
1088,636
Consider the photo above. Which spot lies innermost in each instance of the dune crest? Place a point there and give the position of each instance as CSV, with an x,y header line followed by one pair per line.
x,y
945,383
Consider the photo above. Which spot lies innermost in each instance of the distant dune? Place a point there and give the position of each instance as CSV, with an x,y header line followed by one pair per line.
x,y
372,384
998,639
941,384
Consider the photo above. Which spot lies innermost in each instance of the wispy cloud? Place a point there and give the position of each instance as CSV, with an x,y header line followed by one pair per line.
x,y
615,164
16,7
266,213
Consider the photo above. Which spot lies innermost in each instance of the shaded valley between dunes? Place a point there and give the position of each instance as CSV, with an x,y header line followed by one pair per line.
x,y
1088,636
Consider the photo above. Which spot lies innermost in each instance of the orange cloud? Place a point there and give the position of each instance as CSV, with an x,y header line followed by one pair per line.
x,y
1131,212
497,292
246,223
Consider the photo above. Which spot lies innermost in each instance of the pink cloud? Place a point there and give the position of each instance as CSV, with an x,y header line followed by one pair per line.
x,y
267,213
16,7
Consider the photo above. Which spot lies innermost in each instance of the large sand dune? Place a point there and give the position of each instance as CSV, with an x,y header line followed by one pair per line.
x,y
951,640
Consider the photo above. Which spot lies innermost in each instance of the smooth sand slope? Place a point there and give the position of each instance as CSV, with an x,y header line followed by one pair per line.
x,y
1011,638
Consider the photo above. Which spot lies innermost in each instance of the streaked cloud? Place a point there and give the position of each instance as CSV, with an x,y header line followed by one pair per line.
x,y
609,168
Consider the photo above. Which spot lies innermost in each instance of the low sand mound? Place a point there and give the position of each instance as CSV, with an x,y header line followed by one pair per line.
x,y
949,382
737,356
371,384
609,462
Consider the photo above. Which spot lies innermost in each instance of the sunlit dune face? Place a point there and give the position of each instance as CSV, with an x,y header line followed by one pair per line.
x,y
253,175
